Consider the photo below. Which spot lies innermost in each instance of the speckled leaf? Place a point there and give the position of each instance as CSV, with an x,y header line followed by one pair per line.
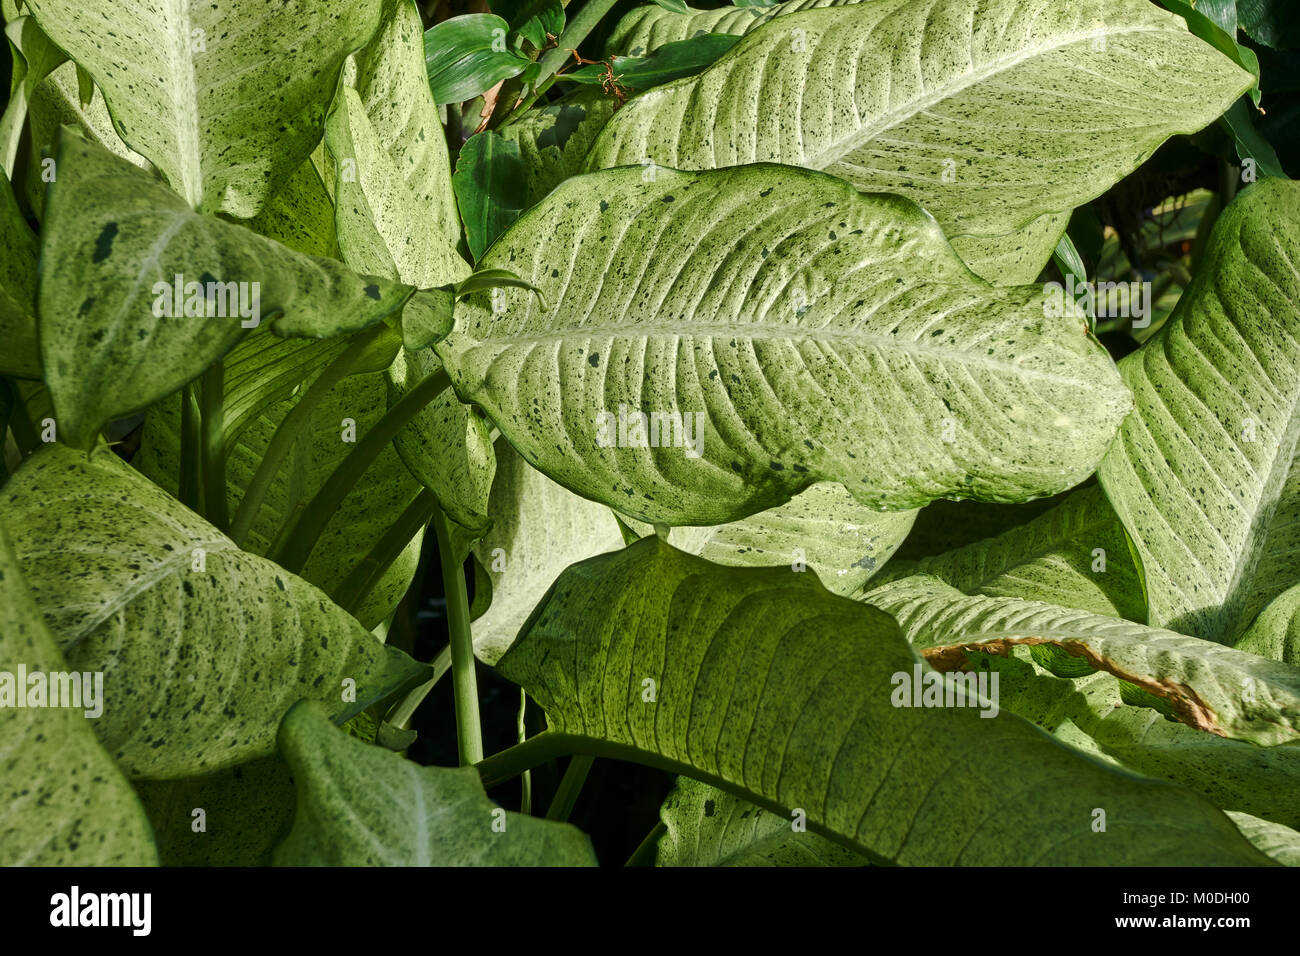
x,y
989,113
57,103
385,226
1016,258
394,89
300,215
1053,558
770,687
361,805
18,251
34,58
710,827
538,529
553,141
1093,714
1273,839
63,802
225,97
822,528
261,368
1275,634
397,218
644,29
246,810
111,233
199,665
808,332
1207,685
1204,472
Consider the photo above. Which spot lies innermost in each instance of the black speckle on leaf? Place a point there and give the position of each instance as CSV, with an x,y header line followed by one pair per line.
x,y
372,290
104,244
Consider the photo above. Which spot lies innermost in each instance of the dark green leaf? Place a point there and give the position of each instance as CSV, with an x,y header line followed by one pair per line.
x,y
467,56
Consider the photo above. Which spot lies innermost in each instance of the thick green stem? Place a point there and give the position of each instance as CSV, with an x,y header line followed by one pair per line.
x,y
292,425
469,734
190,479
212,451
300,532
570,786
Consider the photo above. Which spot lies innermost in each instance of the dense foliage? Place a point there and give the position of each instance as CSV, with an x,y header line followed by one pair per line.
x,y
752,375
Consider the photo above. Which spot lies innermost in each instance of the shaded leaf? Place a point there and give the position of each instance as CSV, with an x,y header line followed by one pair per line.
x,y
361,805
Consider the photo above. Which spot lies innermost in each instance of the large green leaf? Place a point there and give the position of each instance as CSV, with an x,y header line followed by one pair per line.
x,y
201,652
226,98
396,217
1075,555
17,288
1209,686
553,141
761,682
361,805
784,315
114,239
706,826
538,529
1203,473
63,802
963,107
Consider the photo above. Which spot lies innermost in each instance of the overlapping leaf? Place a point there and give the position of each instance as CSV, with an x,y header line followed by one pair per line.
x,y
1203,474
203,646
226,99
1075,556
114,239
988,114
63,802
766,685
785,319
710,827
1209,686
361,805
